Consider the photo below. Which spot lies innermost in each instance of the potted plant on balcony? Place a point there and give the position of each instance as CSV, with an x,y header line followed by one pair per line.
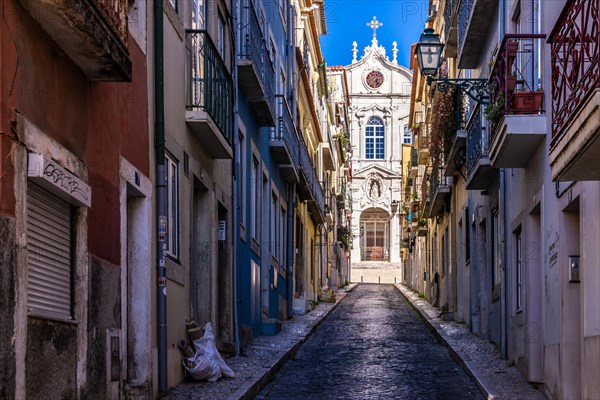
x,y
527,101
493,112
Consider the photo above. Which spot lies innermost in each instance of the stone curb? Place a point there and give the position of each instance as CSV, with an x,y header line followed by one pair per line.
x,y
458,355
251,388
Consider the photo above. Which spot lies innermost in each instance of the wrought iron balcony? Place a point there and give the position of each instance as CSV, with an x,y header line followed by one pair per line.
x,y
517,121
473,28
93,33
439,192
340,187
450,31
327,150
209,95
256,71
414,162
575,42
284,141
330,202
309,188
423,139
479,167
455,157
302,52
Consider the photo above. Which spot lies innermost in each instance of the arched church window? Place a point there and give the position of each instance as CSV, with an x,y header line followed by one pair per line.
x,y
374,139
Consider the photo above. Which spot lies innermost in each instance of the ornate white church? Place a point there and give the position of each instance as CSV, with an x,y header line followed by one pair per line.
x,y
380,96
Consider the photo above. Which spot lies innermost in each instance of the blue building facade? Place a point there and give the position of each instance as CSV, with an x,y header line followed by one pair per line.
x,y
266,166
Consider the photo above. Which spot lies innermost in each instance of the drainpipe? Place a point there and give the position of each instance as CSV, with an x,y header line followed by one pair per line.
x,y
290,248
503,293
236,179
161,189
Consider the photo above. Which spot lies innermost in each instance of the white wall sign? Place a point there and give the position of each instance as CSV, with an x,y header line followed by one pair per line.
x,y
56,179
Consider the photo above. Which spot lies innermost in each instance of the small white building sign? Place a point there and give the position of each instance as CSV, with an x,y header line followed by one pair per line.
x,y
56,179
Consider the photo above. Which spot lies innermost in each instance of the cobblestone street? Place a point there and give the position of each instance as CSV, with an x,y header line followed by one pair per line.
x,y
373,346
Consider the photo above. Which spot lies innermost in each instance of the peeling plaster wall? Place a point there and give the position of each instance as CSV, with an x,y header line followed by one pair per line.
x,y
51,360
7,305
104,315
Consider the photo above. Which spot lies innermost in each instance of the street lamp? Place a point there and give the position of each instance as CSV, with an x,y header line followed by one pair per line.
x,y
429,52
429,57
394,207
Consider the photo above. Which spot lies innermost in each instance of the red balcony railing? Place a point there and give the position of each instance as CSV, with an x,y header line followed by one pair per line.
x,y
115,14
575,62
515,84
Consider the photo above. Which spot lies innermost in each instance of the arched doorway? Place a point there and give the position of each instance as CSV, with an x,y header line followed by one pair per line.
x,y
374,235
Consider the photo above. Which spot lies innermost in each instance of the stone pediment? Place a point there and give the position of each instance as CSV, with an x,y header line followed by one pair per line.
x,y
378,57
361,112
375,169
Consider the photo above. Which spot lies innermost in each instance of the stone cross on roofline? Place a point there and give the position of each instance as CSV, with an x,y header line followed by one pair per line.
x,y
374,24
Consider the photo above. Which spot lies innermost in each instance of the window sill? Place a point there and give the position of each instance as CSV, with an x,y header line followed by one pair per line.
x,y
42,316
175,271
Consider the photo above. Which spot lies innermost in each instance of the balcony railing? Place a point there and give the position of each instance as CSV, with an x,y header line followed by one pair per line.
x,y
304,50
477,144
514,80
450,21
439,191
285,134
115,14
316,199
258,82
464,17
210,87
473,27
414,157
575,60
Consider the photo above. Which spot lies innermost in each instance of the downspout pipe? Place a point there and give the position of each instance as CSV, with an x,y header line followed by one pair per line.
x,y
236,179
161,191
503,234
290,248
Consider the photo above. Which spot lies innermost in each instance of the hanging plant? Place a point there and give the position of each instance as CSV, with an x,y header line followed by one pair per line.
x,y
443,124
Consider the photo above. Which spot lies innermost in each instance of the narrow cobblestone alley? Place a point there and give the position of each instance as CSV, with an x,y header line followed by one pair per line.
x,y
373,346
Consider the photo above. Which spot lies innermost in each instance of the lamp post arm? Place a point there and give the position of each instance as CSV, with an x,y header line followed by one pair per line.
x,y
477,89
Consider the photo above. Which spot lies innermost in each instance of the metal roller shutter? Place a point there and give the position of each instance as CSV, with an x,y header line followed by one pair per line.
x,y
49,269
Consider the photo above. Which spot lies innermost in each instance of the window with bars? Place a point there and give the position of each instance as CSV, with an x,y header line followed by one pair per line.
x,y
374,139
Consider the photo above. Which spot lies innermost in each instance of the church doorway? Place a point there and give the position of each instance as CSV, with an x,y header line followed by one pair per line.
x,y
375,234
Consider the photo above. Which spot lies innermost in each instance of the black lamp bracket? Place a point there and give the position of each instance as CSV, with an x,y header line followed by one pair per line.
x,y
477,89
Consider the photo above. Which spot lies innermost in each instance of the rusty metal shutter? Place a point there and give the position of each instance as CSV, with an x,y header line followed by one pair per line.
x,y
49,266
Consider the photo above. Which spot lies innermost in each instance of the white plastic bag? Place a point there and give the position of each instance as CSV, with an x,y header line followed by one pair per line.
x,y
207,363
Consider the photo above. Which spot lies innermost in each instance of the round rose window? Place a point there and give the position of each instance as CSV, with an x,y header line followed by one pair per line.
x,y
374,79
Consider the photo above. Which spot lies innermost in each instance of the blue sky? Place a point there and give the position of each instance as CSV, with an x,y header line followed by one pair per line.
x,y
403,21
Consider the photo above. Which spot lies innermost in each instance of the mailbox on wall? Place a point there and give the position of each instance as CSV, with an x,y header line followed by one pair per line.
x,y
573,268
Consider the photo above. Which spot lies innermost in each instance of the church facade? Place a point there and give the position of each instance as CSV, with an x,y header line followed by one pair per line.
x,y
379,91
